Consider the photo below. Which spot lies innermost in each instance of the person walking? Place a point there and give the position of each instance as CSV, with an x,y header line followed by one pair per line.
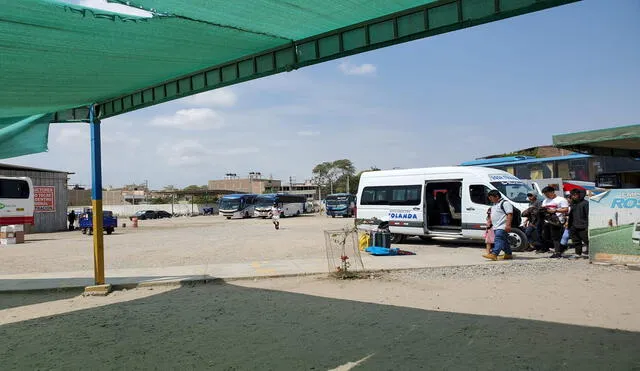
x,y
533,226
275,215
556,209
579,222
71,218
501,216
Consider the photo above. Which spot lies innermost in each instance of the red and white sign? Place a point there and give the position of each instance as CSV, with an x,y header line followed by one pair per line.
x,y
44,198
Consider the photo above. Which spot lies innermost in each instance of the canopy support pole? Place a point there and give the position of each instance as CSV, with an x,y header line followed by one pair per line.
x,y
96,198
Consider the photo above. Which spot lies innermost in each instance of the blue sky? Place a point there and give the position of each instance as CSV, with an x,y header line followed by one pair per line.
x,y
438,101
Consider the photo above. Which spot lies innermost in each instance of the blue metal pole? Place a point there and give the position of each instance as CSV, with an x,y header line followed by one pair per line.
x,y
96,198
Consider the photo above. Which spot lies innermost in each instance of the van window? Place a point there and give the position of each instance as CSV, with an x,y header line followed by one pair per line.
x,y
478,193
391,195
14,188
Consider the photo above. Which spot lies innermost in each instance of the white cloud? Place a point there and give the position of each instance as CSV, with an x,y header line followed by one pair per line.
x,y
351,69
73,136
121,138
185,152
308,133
192,152
112,7
191,119
223,97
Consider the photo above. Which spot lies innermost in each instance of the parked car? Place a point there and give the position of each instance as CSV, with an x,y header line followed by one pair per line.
x,y
163,214
145,214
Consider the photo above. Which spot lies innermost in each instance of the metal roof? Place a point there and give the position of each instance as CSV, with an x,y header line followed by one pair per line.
x,y
27,168
623,141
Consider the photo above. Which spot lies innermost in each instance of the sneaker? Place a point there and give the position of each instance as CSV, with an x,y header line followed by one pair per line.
x,y
507,257
556,255
490,256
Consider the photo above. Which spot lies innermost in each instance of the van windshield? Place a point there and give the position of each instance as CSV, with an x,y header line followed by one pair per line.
x,y
515,191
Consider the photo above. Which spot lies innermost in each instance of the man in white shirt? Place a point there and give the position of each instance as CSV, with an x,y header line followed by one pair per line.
x,y
501,216
275,215
553,228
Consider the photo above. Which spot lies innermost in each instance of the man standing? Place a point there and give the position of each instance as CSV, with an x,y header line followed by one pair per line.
x,y
501,216
556,208
579,221
72,219
533,220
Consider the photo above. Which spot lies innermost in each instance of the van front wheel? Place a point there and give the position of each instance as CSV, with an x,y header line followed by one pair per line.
x,y
517,240
397,238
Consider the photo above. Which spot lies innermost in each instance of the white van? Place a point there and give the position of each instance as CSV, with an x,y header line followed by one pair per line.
x,y
635,234
438,202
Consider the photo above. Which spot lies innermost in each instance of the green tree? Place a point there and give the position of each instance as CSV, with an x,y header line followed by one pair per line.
x,y
322,175
344,170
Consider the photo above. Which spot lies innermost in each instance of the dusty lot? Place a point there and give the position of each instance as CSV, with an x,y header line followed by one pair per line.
x,y
530,316
181,242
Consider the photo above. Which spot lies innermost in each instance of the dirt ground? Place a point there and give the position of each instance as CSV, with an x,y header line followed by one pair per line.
x,y
529,316
174,242
185,242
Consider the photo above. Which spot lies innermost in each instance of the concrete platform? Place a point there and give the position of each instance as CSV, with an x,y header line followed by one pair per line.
x,y
129,278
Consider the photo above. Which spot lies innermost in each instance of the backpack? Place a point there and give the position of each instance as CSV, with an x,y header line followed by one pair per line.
x,y
516,219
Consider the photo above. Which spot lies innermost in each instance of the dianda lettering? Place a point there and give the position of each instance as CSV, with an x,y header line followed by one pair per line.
x,y
625,203
402,216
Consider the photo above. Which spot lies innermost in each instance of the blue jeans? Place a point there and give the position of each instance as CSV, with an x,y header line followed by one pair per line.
x,y
500,243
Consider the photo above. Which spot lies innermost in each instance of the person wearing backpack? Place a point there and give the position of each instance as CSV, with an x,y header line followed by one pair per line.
x,y
556,208
502,215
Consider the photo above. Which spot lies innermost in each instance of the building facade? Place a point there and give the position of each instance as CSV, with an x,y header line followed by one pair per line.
x,y
51,197
246,185
572,166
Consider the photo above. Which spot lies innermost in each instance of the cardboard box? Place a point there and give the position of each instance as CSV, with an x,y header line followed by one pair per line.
x,y
7,234
12,228
19,237
7,241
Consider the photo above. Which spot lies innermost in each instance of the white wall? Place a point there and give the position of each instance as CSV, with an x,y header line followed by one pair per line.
x,y
125,211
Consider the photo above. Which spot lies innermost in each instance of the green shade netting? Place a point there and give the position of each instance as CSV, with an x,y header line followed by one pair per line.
x,y
621,141
54,57
23,135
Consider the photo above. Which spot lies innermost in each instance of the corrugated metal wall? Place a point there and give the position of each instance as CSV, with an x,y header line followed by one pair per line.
x,y
50,221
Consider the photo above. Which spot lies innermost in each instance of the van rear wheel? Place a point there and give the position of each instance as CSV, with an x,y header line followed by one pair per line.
x,y
517,240
397,238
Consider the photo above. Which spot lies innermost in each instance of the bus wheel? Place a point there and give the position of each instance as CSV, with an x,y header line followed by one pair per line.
x,y
228,218
397,238
425,238
333,216
517,240
246,214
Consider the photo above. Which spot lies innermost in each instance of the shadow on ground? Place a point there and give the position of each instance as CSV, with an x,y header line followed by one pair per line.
x,y
223,326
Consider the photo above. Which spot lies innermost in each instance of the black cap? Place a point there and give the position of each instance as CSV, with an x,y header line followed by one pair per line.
x,y
548,189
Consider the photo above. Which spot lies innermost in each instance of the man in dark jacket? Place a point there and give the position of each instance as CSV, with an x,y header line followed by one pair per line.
x,y
579,221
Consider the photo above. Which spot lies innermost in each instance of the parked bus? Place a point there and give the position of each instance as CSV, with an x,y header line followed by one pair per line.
x,y
341,204
237,205
438,202
16,201
290,204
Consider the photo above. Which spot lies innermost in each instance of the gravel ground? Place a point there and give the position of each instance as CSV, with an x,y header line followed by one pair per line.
x,y
544,315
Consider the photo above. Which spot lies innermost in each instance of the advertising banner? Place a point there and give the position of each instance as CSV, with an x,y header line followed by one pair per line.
x,y
44,198
614,226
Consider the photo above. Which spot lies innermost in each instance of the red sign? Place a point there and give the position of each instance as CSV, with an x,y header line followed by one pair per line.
x,y
44,198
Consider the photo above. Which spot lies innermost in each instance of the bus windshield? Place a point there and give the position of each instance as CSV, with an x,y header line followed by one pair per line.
x,y
230,204
263,202
515,191
337,200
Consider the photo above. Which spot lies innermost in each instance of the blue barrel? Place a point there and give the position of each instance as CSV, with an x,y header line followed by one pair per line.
x,y
380,239
444,219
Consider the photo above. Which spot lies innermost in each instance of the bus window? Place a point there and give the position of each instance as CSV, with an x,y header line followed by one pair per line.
x,y
14,188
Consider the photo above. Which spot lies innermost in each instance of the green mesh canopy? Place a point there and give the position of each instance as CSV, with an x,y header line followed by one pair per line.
x,y
57,58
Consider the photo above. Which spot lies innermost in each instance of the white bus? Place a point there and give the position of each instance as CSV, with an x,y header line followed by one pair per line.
x,y
237,205
16,200
437,202
289,204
